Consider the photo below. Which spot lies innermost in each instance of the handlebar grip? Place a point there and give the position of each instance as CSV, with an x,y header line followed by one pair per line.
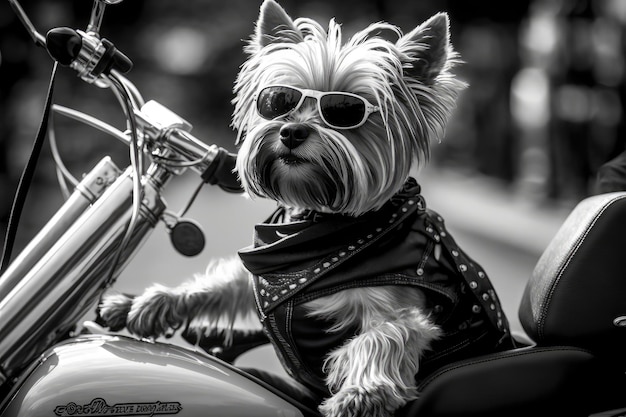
x,y
63,45
221,172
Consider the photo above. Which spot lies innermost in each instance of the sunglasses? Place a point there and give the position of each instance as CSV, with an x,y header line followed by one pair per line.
x,y
337,109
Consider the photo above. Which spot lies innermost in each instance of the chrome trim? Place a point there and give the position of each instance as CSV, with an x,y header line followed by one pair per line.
x,y
164,129
86,193
64,284
90,54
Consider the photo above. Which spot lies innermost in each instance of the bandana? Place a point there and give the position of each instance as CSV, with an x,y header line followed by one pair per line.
x,y
289,256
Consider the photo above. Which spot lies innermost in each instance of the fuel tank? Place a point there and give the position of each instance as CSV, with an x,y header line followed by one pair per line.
x,y
110,375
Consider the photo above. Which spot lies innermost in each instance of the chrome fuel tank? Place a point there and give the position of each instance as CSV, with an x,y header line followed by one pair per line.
x,y
105,375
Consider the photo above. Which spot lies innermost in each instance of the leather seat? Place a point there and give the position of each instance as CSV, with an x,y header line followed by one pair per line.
x,y
574,309
577,293
529,381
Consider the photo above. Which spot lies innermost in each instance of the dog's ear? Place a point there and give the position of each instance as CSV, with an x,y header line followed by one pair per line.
x,y
274,25
426,49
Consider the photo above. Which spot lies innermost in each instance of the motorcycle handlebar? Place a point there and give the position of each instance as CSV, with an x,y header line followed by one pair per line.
x,y
216,165
166,133
97,61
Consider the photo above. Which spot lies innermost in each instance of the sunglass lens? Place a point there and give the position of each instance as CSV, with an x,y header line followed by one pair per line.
x,y
342,110
277,101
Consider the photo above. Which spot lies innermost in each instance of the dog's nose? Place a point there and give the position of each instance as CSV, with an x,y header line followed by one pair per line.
x,y
293,135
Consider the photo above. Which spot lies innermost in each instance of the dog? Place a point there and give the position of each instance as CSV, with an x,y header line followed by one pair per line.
x,y
358,285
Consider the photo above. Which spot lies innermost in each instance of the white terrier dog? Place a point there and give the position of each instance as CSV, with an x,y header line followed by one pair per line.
x,y
357,285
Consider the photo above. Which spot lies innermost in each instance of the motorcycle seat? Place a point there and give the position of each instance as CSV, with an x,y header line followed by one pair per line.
x,y
576,295
555,380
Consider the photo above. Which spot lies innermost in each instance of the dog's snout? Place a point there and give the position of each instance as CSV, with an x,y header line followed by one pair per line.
x,y
293,134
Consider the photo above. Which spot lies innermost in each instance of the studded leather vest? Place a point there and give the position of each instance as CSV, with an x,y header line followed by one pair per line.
x,y
294,261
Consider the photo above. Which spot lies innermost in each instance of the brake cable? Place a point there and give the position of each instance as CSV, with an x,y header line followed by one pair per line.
x,y
63,174
136,160
27,177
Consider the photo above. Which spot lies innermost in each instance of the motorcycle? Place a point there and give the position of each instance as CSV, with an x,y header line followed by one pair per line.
x,y
572,362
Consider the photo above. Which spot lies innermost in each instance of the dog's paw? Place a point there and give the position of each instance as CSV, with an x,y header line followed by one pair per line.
x,y
354,401
155,313
113,311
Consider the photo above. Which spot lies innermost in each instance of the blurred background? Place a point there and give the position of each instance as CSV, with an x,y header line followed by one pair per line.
x,y
544,110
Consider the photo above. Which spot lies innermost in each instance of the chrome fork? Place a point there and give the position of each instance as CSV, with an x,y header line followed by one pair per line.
x,y
60,278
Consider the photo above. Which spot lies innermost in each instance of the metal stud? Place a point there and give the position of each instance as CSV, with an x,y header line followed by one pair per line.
x,y
473,285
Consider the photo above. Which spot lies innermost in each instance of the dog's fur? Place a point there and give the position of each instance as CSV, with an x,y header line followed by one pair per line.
x,y
350,172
